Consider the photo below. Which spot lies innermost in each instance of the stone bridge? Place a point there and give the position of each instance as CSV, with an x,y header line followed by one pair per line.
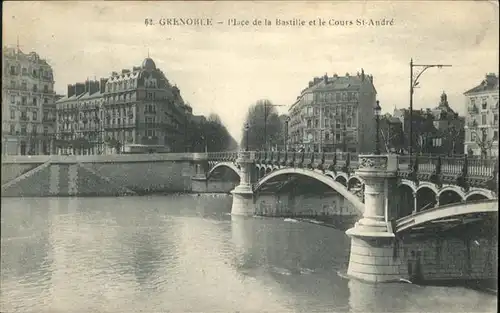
x,y
397,195
422,183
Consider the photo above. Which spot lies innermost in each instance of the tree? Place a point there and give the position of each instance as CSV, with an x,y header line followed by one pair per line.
x,y
264,126
211,135
481,139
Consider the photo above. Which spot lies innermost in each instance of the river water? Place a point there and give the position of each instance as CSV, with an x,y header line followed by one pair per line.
x,y
187,254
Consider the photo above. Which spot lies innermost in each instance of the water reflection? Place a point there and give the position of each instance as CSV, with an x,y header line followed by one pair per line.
x,y
187,254
276,250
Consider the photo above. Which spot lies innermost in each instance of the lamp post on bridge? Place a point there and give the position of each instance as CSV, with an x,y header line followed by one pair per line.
x,y
413,84
247,127
377,110
287,120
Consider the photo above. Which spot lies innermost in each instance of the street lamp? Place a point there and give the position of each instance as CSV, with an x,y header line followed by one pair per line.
x,y
377,110
286,131
413,84
247,127
266,104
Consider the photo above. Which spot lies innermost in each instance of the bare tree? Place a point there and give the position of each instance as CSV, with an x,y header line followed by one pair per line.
x,y
481,139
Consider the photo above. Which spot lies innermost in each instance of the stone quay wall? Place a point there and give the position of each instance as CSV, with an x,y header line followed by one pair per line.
x,y
431,260
96,175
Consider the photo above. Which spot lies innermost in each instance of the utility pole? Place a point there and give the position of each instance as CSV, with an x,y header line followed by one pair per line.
x,y
413,84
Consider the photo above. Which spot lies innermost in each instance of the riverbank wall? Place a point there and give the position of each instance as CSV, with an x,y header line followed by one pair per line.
x,y
97,175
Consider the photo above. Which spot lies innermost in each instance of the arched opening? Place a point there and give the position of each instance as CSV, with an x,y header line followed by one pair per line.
x,y
354,184
449,197
426,199
342,180
406,201
262,172
224,173
329,175
268,170
306,194
476,197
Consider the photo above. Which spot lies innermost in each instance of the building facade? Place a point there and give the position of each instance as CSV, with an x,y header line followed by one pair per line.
x,y
135,110
439,130
481,128
334,114
27,104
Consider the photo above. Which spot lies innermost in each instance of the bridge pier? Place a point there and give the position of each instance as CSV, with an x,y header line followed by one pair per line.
x,y
199,180
243,202
372,239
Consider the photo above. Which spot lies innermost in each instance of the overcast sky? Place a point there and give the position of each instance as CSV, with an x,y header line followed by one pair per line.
x,y
225,69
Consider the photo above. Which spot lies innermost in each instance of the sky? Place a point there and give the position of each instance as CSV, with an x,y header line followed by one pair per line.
x,y
224,69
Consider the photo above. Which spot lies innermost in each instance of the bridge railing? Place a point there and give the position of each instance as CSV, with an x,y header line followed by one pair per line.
x,y
448,165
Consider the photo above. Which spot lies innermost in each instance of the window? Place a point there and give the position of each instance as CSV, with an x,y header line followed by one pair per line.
x,y
484,104
25,71
35,74
327,122
12,114
35,88
24,86
472,101
23,100
337,137
34,102
495,119
12,129
349,122
12,84
45,88
495,135
309,124
35,116
485,136
337,96
316,123
327,136
12,70
13,99
23,130
483,119
337,126
45,115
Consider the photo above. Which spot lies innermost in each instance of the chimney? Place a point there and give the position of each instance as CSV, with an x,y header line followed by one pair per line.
x,y
362,75
335,75
136,68
316,80
93,87
125,71
491,79
114,73
103,84
311,83
87,86
325,78
71,90
79,89
346,74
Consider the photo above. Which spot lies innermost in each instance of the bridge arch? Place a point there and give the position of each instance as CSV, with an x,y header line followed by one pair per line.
x,y
450,195
408,183
354,181
477,194
446,211
429,185
335,185
342,179
426,198
229,165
